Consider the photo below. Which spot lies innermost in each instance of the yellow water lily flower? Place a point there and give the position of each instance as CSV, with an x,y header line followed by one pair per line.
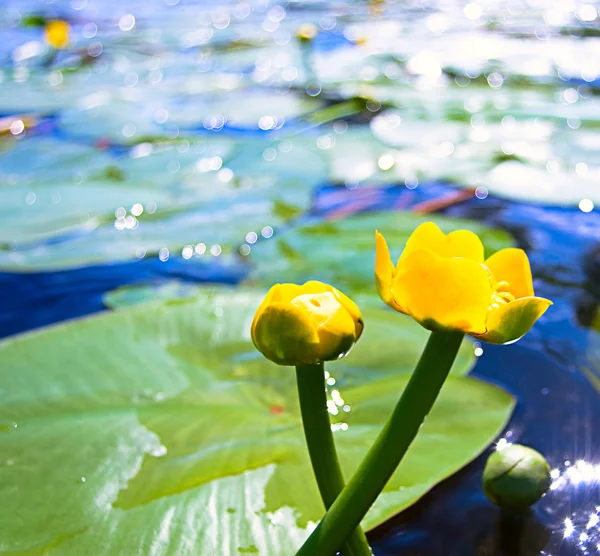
x,y
444,283
57,34
308,324
307,32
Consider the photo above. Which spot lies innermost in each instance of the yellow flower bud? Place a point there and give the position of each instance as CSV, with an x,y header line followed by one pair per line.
x,y
56,34
304,325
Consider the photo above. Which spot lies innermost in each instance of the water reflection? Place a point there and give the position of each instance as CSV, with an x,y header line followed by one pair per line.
x,y
580,528
519,535
336,405
582,532
581,472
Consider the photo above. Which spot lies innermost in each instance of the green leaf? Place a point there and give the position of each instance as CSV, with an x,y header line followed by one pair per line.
x,y
33,20
342,252
50,219
159,429
407,143
285,211
125,296
384,327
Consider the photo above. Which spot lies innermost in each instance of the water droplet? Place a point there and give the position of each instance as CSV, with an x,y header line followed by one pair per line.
x,y
127,22
267,232
159,451
187,252
269,154
481,192
17,127
586,205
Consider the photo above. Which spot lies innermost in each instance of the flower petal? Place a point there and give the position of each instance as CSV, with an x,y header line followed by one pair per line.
x,y
287,292
352,309
465,243
442,293
512,265
274,294
286,334
460,243
427,236
384,272
57,34
511,321
314,286
334,324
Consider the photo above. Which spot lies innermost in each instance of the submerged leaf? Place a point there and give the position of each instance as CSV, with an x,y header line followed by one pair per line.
x,y
179,438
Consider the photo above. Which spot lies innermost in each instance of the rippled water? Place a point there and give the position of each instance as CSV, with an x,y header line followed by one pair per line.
x,y
172,138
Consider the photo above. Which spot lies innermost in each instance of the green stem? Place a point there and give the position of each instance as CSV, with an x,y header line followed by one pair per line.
x,y
321,447
392,443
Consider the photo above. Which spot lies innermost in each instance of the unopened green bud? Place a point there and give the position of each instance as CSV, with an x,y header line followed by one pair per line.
x,y
516,477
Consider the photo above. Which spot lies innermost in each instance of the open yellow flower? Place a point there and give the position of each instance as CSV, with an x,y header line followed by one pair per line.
x,y
305,325
444,283
57,34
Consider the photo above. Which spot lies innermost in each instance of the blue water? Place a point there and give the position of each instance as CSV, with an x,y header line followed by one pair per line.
x,y
558,410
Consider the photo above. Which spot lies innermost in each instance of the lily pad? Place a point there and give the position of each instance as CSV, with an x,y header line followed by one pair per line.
x,y
382,325
511,179
163,431
166,235
228,103
157,197
126,296
57,187
342,252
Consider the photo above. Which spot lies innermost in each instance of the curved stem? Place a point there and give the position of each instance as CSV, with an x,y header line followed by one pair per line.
x,y
392,443
321,447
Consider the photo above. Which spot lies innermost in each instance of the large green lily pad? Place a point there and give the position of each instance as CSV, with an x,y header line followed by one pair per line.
x,y
372,350
160,430
342,252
